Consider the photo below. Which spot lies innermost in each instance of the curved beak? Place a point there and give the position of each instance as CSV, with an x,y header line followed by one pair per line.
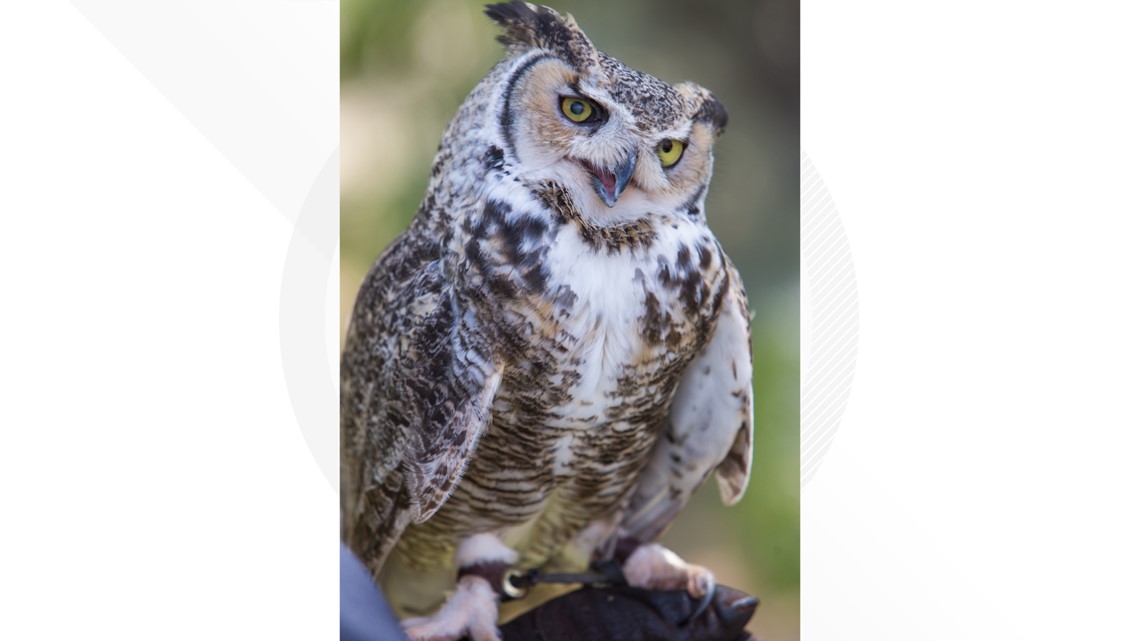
x,y
610,182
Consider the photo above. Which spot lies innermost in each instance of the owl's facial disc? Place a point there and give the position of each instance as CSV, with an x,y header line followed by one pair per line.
x,y
610,182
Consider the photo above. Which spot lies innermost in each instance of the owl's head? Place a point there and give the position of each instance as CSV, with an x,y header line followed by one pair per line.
x,y
622,142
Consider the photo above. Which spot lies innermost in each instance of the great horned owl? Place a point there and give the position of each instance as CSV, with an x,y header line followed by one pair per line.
x,y
543,368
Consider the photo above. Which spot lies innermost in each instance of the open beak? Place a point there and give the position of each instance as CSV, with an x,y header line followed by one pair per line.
x,y
609,182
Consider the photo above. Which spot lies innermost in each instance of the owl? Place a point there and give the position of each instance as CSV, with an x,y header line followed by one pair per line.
x,y
543,368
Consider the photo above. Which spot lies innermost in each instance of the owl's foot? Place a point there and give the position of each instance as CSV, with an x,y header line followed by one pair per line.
x,y
473,611
656,567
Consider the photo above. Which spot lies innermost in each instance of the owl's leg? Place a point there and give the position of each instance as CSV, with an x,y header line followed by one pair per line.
x,y
473,610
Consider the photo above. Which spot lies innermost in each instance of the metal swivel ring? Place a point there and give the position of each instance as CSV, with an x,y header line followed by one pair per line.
x,y
509,588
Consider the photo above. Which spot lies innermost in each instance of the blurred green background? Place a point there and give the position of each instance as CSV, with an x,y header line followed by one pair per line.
x,y
406,67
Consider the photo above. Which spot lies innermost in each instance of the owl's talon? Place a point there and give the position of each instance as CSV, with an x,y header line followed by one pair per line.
x,y
705,600
701,582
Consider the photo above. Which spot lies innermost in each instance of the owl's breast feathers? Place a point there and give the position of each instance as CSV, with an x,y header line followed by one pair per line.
x,y
594,328
553,289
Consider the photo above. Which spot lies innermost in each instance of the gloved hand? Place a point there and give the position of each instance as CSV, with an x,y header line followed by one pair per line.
x,y
622,613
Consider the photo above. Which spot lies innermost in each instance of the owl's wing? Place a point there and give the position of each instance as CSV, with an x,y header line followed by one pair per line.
x,y
709,426
417,381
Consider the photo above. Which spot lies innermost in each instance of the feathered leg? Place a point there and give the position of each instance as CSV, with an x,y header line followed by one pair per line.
x,y
473,610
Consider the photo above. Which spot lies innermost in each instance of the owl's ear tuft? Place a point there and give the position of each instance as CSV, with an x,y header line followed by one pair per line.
x,y
713,112
704,106
531,26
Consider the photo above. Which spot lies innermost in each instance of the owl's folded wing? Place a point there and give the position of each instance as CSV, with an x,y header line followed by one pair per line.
x,y
709,426
416,397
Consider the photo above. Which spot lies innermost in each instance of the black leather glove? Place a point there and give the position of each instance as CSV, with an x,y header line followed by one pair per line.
x,y
622,613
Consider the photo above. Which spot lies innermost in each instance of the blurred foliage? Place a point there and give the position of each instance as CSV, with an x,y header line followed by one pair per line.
x,y
406,67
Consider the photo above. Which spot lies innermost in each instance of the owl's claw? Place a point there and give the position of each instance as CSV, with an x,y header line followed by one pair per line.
x,y
709,594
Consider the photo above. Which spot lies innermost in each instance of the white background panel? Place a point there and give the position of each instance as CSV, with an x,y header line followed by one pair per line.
x,y
983,482
156,482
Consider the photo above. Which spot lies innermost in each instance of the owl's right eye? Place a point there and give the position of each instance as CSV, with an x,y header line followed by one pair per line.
x,y
579,110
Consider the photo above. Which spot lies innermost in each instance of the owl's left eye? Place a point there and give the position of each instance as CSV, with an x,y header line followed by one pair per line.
x,y
580,110
669,151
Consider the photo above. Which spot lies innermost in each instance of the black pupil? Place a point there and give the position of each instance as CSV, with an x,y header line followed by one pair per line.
x,y
577,107
667,146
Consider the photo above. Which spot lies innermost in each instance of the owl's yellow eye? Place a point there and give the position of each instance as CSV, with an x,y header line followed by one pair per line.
x,y
576,109
669,151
